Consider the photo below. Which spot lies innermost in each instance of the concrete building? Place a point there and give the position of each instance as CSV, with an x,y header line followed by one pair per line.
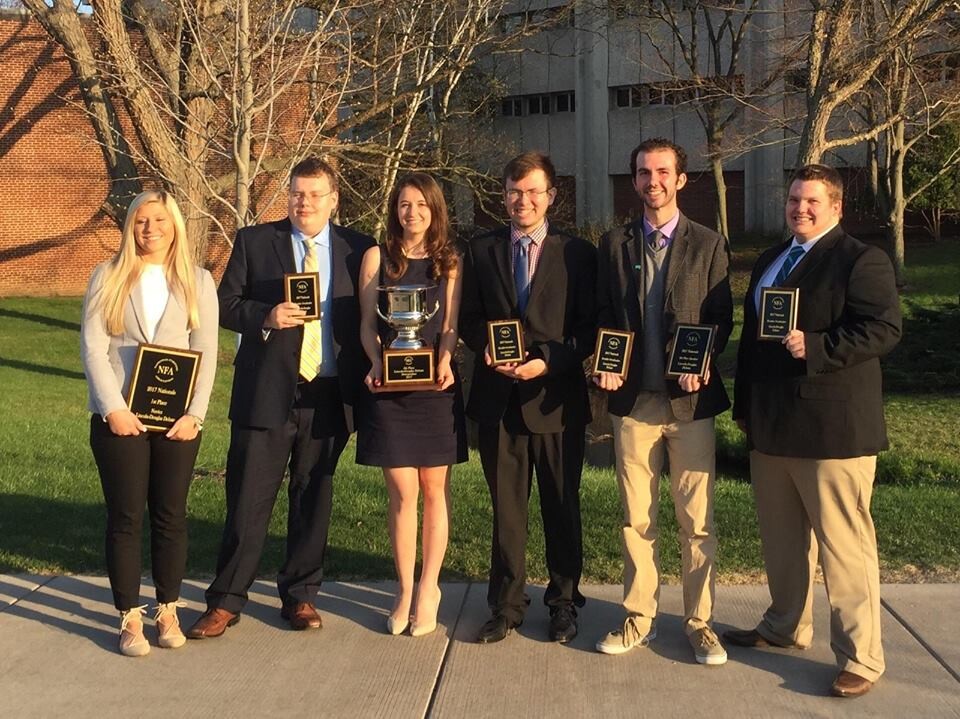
x,y
591,85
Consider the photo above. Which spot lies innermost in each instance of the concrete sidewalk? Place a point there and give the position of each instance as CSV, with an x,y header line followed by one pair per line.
x,y
58,659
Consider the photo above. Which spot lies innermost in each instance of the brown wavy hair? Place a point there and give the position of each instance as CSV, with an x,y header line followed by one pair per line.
x,y
437,242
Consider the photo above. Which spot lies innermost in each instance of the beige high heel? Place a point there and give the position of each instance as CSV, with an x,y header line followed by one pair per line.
x,y
422,628
397,626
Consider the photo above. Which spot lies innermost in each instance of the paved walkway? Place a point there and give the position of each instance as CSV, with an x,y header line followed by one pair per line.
x,y
58,659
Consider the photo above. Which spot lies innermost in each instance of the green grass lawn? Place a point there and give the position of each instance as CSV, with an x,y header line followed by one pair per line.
x,y
51,514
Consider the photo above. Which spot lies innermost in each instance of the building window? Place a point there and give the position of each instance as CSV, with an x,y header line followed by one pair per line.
x,y
796,79
630,95
511,107
520,105
951,67
538,105
565,102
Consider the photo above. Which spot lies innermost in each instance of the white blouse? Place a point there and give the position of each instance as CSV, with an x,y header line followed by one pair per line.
x,y
153,293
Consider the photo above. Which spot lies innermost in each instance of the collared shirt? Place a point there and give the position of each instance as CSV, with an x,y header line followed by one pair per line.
x,y
668,230
324,250
767,278
533,252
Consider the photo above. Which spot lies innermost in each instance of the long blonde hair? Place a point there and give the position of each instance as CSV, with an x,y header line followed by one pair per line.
x,y
124,269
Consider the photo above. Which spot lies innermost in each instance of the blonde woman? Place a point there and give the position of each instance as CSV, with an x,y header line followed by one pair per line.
x,y
150,292
414,436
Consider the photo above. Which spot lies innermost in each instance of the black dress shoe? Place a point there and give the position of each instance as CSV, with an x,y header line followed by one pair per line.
x,y
563,624
496,629
750,638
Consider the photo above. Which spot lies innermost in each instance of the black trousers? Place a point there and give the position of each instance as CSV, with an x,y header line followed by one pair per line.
x,y
310,441
509,453
147,470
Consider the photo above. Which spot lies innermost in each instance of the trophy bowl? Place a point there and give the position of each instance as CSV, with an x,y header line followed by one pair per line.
x,y
407,313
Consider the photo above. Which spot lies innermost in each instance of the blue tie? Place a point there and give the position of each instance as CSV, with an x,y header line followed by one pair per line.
x,y
521,274
791,259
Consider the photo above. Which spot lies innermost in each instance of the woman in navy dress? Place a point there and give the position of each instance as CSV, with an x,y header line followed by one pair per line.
x,y
415,436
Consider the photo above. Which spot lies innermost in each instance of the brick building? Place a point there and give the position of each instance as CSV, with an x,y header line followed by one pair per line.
x,y
52,231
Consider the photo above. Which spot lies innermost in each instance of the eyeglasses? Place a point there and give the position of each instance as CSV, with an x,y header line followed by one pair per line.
x,y
515,195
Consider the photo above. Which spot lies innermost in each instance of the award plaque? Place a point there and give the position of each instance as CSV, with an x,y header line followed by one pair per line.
x,y
612,353
778,312
161,385
505,341
408,360
691,350
408,369
303,288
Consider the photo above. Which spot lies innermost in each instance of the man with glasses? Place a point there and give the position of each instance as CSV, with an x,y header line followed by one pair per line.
x,y
294,387
659,271
531,415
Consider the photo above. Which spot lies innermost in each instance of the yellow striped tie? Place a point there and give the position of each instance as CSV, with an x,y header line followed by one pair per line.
x,y
311,351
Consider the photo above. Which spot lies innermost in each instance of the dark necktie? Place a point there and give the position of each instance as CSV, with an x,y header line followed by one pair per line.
x,y
793,256
521,274
656,240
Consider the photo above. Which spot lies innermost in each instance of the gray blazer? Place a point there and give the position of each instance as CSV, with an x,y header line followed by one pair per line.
x,y
108,359
697,292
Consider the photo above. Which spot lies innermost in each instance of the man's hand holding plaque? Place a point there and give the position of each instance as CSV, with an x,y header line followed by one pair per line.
x,y
303,290
777,314
161,385
690,354
612,352
505,342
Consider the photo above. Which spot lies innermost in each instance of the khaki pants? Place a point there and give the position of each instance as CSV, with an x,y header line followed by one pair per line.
x,y
640,440
827,499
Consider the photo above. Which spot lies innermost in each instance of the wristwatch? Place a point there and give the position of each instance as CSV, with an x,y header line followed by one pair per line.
x,y
198,422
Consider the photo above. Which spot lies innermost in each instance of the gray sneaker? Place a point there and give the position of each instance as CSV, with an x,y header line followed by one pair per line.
x,y
707,647
621,641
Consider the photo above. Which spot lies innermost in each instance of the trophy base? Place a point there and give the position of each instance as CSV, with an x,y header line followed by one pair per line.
x,y
407,370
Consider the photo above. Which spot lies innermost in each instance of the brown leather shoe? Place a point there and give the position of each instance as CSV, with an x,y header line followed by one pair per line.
x,y
848,684
748,638
301,615
212,623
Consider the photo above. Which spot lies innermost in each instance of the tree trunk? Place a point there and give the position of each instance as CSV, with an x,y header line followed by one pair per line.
x,y
720,183
63,25
897,201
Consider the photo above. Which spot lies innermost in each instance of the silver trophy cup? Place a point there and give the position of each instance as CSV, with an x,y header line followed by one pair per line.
x,y
406,314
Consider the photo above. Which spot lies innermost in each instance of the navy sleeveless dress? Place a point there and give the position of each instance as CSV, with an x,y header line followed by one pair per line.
x,y
424,428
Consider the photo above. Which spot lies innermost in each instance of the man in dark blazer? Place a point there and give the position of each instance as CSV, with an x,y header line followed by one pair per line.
x,y
659,271
531,415
294,387
812,408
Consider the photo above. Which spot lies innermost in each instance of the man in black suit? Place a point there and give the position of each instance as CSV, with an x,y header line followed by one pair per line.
x,y
812,408
659,271
294,387
531,415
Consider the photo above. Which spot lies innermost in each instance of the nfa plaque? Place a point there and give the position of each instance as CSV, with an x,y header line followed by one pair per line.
x,y
161,385
777,313
691,349
505,342
612,353
303,289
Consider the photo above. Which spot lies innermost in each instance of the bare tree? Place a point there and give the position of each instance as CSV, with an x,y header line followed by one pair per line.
x,y
912,94
218,98
706,72
845,43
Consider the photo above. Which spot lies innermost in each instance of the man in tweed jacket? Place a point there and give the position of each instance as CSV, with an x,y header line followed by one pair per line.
x,y
659,271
